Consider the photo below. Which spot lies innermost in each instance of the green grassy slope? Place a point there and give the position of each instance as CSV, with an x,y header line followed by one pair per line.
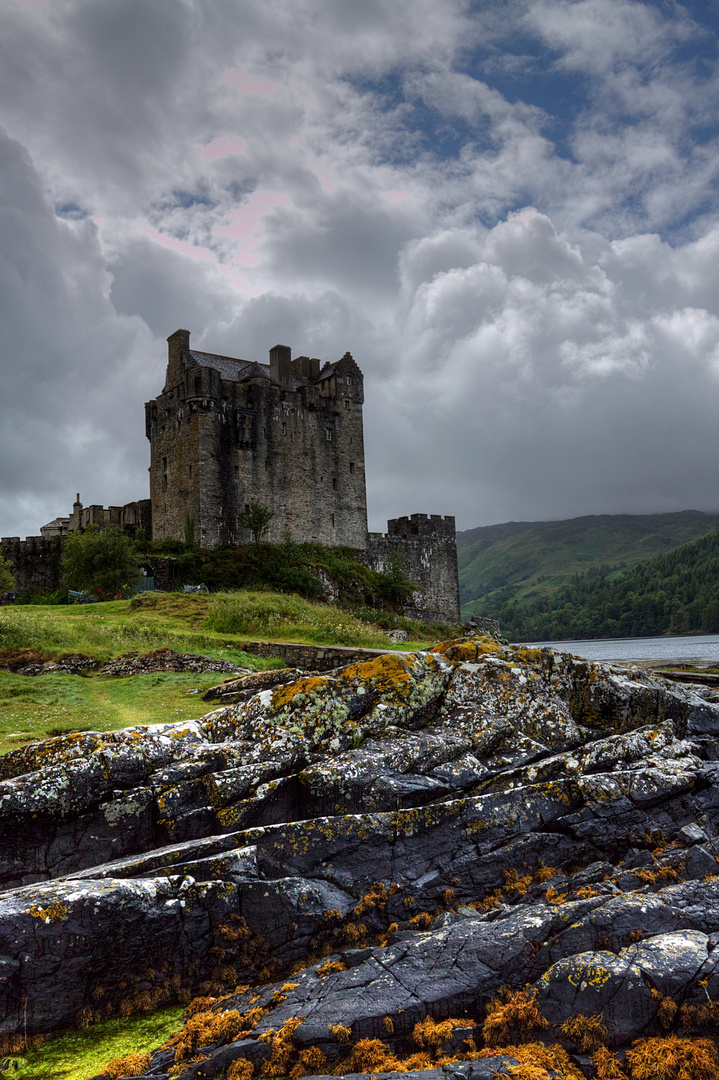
x,y
528,561
51,704
673,593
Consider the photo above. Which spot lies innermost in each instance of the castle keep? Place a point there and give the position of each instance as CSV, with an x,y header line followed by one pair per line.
x,y
226,433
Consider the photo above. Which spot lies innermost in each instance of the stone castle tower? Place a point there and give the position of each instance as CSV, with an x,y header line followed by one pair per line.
x,y
225,433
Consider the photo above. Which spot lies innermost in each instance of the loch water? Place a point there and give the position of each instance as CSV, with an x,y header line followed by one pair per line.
x,y
702,649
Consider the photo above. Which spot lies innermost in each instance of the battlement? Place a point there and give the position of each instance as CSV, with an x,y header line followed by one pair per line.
x,y
421,525
428,543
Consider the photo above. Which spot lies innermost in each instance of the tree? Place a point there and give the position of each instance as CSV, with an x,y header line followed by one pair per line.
x,y
395,584
100,561
7,581
256,518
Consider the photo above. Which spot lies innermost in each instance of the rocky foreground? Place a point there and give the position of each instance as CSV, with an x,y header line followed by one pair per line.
x,y
479,860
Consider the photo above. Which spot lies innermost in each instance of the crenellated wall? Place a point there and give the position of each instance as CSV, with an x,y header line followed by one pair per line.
x,y
429,545
36,562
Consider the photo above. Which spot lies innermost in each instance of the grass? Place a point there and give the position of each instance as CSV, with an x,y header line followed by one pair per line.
x,y
41,706
79,1054
47,705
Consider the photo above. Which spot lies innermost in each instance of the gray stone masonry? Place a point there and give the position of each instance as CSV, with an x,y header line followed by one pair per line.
x,y
225,433
429,545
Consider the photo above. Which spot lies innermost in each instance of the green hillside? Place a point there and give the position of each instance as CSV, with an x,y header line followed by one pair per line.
x,y
528,561
673,593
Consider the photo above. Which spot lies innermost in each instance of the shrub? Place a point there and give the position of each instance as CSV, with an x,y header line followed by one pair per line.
x,y
7,581
100,561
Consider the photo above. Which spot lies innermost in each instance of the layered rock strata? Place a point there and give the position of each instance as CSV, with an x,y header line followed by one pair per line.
x,y
338,857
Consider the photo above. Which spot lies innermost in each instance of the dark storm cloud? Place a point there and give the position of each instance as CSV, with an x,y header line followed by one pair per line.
x,y
509,218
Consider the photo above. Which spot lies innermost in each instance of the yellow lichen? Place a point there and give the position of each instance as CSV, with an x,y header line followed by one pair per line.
x,y
53,912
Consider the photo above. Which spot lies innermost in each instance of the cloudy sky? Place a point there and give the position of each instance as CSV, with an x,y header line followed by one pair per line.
x,y
507,210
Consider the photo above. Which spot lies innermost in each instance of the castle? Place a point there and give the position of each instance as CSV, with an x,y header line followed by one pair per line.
x,y
226,433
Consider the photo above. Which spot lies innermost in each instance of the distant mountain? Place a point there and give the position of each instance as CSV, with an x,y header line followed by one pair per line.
x,y
527,562
673,593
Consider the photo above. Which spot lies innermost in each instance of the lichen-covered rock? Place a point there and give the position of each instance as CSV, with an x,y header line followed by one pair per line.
x,y
393,840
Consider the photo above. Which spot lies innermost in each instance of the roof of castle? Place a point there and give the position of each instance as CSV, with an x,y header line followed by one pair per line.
x,y
229,368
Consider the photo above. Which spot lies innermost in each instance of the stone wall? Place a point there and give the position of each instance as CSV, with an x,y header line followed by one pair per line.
x,y
429,545
310,657
36,562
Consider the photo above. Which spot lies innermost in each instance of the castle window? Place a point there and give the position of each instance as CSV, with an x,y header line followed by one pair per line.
x,y
352,467
334,483
164,464
349,380
328,434
164,481
348,404
198,384
237,472
247,508
333,521
190,470
284,429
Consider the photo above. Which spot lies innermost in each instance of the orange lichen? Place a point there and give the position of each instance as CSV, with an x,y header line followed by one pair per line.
x,y
669,1057
240,1070
367,1055
203,1028
282,1048
341,1033
53,912
429,1034
129,1065
512,1016
312,1062
667,1010
607,1065
537,1056
331,967
586,1032
422,921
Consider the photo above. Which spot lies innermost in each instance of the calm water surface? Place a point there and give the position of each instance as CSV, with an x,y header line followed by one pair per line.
x,y
703,649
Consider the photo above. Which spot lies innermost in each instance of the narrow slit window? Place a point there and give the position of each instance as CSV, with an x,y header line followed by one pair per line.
x,y
352,467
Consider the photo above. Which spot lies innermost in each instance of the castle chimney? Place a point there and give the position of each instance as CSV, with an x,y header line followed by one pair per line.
x,y
281,366
177,344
